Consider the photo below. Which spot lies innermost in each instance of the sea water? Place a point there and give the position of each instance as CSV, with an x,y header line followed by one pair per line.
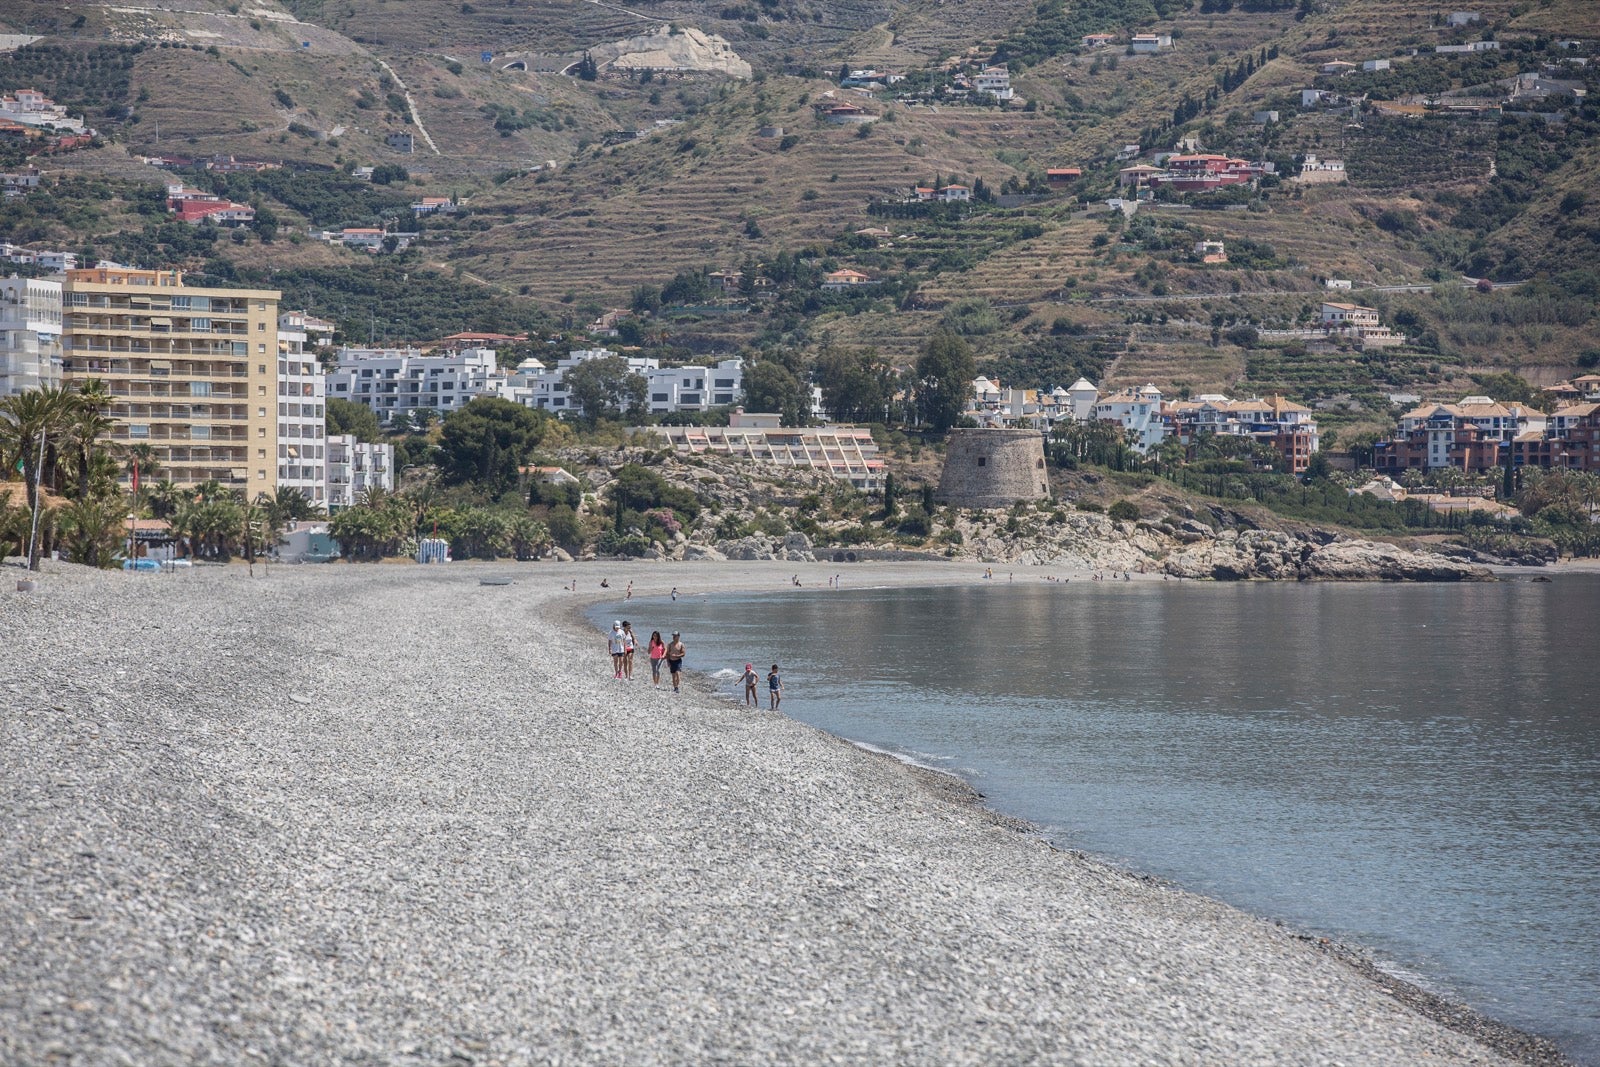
x,y
1413,769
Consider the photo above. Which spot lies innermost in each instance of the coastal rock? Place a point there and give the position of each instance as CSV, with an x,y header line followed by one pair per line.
x,y
703,552
560,555
797,548
1369,560
746,548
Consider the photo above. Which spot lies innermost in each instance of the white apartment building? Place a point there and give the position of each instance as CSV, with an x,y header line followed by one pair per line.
x,y
667,389
30,334
390,380
694,388
302,413
354,467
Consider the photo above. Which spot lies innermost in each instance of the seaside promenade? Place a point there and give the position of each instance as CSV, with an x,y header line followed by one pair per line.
x,y
389,815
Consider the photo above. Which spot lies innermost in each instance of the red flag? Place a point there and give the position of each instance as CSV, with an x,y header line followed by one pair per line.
x,y
135,477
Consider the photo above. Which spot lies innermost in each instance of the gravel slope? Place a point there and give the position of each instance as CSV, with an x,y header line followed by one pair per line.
x,y
388,815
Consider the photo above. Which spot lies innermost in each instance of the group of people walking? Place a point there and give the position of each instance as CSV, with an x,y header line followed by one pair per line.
x,y
623,645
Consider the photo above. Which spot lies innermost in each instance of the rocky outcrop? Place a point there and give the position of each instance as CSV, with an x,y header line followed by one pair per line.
x,y
1276,556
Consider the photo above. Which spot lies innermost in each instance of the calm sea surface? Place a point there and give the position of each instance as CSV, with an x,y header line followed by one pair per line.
x,y
1413,769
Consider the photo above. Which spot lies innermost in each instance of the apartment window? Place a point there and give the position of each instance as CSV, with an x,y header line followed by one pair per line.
x,y
138,431
261,476
261,431
261,327
199,388
261,413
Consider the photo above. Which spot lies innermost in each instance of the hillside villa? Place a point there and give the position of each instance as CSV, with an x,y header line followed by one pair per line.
x,y
846,279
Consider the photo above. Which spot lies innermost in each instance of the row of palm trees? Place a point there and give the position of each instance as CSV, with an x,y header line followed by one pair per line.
x,y
388,523
53,438
57,440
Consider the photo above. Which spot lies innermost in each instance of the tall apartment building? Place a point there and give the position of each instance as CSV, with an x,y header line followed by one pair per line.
x,y
302,415
192,370
30,334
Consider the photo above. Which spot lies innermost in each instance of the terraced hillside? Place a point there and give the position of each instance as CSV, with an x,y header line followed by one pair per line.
x,y
564,206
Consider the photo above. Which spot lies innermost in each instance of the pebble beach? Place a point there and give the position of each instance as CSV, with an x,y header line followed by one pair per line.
x,y
387,814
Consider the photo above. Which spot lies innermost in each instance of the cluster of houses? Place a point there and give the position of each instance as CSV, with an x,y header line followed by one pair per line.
x,y
1148,419
54,261
1195,172
40,123
1478,434
31,108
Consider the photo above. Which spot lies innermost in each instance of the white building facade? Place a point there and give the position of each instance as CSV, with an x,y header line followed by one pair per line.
x,y
354,467
401,380
30,334
302,413
667,389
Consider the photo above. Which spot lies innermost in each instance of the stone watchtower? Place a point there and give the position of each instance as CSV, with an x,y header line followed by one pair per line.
x,y
993,468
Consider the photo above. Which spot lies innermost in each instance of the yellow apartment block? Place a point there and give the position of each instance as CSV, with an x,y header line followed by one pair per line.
x,y
192,371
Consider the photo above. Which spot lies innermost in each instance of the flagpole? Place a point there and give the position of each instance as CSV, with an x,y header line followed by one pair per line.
x,y
33,530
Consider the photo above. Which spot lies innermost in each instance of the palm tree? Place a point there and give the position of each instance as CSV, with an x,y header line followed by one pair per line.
x,y
28,422
142,457
89,424
165,498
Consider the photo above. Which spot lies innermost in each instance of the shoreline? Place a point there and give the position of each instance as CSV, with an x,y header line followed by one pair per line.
x,y
1516,1044
392,815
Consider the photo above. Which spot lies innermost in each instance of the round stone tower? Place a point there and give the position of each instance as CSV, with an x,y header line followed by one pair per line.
x,y
993,468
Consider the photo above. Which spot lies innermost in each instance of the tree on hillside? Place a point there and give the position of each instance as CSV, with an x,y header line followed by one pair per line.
x,y
856,385
606,389
945,372
771,387
348,417
486,442
588,69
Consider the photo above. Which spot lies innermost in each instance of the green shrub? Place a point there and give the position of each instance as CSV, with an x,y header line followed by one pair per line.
x,y
1124,511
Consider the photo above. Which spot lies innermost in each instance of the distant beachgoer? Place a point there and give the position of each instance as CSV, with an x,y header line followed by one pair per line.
x,y
774,688
630,641
674,593
796,579
630,592
750,685
604,584
658,652
675,654
574,585
616,643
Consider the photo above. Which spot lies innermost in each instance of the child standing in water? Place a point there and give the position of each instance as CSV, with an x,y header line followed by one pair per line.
x,y
750,686
774,688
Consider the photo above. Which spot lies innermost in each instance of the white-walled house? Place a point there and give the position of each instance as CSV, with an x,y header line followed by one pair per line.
x,y
1137,411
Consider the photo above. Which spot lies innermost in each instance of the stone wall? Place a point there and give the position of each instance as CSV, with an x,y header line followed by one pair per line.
x,y
992,468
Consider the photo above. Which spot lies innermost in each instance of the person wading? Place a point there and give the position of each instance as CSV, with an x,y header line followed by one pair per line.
x,y
774,688
675,653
